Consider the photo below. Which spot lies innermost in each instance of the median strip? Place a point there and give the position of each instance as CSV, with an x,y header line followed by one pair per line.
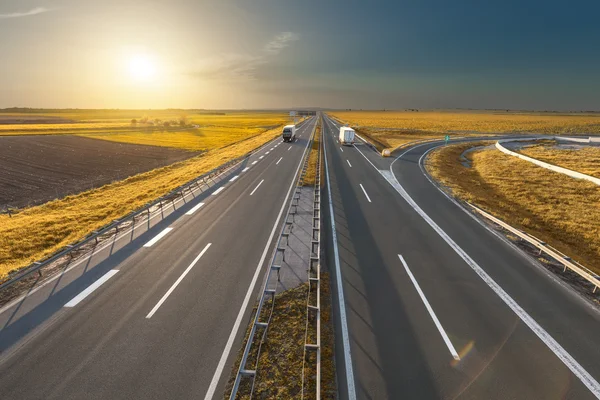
x,y
158,237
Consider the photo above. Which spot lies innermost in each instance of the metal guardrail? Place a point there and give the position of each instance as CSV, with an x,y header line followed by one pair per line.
x,y
261,322
565,260
167,199
313,304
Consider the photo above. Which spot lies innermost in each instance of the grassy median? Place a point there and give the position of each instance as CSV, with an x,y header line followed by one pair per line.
x,y
560,210
36,232
311,171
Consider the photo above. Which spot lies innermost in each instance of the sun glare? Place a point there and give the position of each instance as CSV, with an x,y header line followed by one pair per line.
x,y
142,68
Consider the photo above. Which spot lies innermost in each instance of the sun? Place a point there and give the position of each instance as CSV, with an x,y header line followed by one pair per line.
x,y
142,67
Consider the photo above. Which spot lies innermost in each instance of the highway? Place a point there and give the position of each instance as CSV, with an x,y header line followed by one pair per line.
x,y
162,317
435,305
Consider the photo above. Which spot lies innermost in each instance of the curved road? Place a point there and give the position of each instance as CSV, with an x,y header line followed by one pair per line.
x,y
437,305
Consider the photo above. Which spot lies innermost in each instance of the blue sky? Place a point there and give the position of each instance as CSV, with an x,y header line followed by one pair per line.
x,y
275,53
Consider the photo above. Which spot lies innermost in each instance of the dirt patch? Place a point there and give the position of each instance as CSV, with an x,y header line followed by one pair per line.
x,y
36,169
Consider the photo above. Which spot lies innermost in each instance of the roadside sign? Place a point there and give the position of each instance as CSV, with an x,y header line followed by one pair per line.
x,y
292,113
447,138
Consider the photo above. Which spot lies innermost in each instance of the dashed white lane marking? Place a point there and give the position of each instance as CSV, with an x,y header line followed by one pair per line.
x,y
219,190
91,288
158,237
279,160
342,150
245,169
365,192
234,178
289,148
436,321
254,162
349,163
193,210
267,152
162,300
261,157
260,183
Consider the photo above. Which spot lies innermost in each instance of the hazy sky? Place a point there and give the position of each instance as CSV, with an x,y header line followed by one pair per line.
x,y
279,53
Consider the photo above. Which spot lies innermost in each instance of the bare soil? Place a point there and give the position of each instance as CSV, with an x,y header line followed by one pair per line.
x,y
34,119
36,169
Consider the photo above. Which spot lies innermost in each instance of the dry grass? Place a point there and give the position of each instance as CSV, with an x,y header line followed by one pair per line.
x,y
39,231
396,128
558,209
279,373
585,160
311,171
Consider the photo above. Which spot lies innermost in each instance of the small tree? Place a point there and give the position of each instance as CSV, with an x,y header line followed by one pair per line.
x,y
167,124
182,121
134,122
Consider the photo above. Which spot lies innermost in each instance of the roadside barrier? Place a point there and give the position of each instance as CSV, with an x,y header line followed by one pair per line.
x,y
262,318
145,212
555,168
565,260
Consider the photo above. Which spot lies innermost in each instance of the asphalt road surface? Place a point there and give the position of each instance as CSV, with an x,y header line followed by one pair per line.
x,y
162,318
436,305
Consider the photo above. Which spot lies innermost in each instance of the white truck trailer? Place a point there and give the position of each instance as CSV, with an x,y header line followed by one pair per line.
x,y
289,133
346,135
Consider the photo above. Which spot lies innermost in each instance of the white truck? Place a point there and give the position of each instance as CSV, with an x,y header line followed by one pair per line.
x,y
289,133
346,135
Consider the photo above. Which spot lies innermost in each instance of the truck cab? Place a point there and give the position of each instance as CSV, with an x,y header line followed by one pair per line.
x,y
289,133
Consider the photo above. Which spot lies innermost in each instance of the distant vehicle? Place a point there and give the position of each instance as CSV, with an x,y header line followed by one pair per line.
x,y
289,133
346,135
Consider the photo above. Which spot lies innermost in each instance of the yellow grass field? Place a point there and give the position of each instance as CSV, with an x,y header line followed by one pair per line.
x,y
39,231
396,128
585,160
560,210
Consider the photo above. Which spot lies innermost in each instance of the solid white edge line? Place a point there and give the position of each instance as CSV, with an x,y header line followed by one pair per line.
x,y
193,210
350,165
245,169
156,238
126,234
279,161
236,326
177,282
340,290
435,319
365,192
259,183
537,329
77,299
219,190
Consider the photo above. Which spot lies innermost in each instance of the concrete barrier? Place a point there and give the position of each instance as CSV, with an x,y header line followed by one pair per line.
x,y
555,168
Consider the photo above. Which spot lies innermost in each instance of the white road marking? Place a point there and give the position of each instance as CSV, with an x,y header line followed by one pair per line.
x,y
349,163
342,150
162,300
238,321
436,321
77,299
365,192
272,148
245,169
193,210
267,152
261,157
537,329
234,178
158,237
254,162
260,183
219,190
279,160
340,291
